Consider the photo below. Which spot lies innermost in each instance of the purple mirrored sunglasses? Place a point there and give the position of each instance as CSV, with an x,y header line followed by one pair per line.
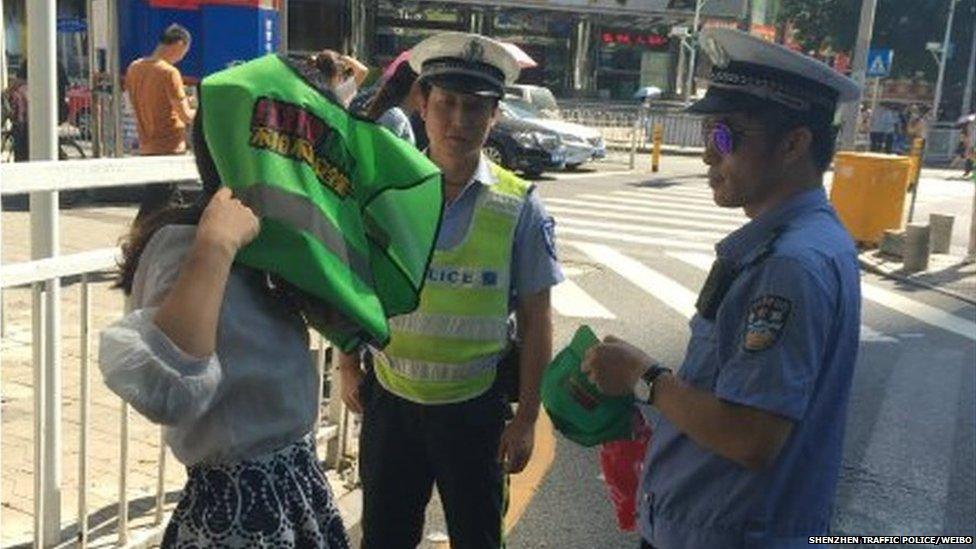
x,y
720,137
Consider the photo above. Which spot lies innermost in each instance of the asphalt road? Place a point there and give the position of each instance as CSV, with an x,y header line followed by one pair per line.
x,y
632,245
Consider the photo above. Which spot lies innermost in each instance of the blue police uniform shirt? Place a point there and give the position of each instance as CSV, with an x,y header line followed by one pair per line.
x,y
784,340
535,266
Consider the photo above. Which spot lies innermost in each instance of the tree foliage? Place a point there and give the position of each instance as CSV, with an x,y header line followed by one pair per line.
x,y
903,25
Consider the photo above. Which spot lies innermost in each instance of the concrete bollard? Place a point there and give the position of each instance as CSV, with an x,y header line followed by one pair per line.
x,y
941,232
916,250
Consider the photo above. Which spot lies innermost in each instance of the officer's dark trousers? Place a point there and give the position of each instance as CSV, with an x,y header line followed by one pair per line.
x,y
406,448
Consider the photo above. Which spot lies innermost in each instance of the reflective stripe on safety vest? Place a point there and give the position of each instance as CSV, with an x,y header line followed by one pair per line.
x,y
447,350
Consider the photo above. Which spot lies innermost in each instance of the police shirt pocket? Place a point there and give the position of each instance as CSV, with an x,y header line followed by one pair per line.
x,y
700,368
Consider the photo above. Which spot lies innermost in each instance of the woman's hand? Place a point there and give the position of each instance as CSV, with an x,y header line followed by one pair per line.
x,y
227,224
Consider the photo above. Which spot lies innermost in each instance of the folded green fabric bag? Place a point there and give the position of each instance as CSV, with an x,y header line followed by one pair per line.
x,y
577,408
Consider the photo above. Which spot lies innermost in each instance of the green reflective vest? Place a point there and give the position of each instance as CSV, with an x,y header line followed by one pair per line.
x,y
447,350
349,213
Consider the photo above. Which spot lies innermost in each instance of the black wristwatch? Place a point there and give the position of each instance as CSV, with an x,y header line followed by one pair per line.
x,y
644,389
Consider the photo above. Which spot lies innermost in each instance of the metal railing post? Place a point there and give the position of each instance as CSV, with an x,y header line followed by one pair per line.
x,y
123,526
84,413
333,448
161,481
40,409
42,118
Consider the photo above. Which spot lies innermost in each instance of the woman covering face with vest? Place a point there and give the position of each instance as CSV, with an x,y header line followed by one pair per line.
x,y
221,294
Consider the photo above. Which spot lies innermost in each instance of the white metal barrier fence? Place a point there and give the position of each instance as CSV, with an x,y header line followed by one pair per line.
x,y
618,124
49,178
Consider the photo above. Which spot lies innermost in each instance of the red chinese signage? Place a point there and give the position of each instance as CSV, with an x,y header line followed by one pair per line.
x,y
634,39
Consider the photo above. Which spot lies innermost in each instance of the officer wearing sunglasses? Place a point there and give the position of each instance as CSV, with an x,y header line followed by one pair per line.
x,y
748,433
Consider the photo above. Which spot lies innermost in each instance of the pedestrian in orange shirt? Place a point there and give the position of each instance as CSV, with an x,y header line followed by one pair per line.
x,y
162,109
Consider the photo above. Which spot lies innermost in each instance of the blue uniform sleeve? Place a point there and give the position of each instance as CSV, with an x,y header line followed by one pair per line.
x,y
535,266
773,344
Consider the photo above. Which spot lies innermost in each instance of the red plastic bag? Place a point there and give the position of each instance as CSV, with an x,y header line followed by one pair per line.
x,y
622,462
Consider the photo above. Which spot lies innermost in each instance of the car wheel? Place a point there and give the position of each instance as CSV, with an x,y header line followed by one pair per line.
x,y
495,154
532,173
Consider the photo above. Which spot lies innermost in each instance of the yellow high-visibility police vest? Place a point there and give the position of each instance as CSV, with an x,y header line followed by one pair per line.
x,y
448,349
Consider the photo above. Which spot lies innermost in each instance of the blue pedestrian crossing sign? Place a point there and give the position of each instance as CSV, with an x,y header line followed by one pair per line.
x,y
879,62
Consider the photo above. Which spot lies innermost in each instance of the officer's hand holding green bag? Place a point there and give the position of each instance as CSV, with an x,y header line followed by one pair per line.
x,y
577,408
349,213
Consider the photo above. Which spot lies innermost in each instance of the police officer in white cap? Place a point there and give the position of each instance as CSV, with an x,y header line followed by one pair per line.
x,y
433,409
749,432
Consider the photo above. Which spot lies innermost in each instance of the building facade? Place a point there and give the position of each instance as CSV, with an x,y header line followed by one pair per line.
x,y
601,49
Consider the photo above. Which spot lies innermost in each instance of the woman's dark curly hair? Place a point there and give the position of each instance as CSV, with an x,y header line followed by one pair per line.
x,y
142,230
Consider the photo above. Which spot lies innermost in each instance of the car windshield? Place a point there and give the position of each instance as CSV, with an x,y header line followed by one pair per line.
x,y
543,98
516,108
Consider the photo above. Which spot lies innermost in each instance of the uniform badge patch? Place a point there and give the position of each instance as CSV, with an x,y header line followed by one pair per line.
x,y
767,317
549,235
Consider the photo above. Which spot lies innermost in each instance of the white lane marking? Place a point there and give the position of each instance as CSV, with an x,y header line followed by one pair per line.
x,y
699,261
696,191
871,335
586,175
604,214
644,228
631,239
919,311
704,201
705,211
675,218
669,292
597,201
928,314
572,301
704,208
572,271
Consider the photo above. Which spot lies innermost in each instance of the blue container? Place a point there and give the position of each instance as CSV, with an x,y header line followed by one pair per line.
x,y
221,34
235,34
140,26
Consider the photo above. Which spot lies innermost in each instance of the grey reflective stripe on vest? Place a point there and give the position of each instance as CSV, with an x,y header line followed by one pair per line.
x,y
438,371
302,214
472,328
501,203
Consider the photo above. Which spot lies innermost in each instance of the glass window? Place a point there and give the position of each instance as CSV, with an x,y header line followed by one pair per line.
x,y
315,25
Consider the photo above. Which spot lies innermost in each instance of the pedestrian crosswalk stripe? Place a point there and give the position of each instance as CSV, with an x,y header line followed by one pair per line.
x,y
700,212
642,218
646,206
699,261
590,175
644,228
871,335
928,314
920,311
657,216
697,191
704,205
570,300
662,288
704,208
562,230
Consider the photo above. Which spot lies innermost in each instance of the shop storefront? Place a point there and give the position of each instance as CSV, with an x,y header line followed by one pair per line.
x,y
629,59
584,48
